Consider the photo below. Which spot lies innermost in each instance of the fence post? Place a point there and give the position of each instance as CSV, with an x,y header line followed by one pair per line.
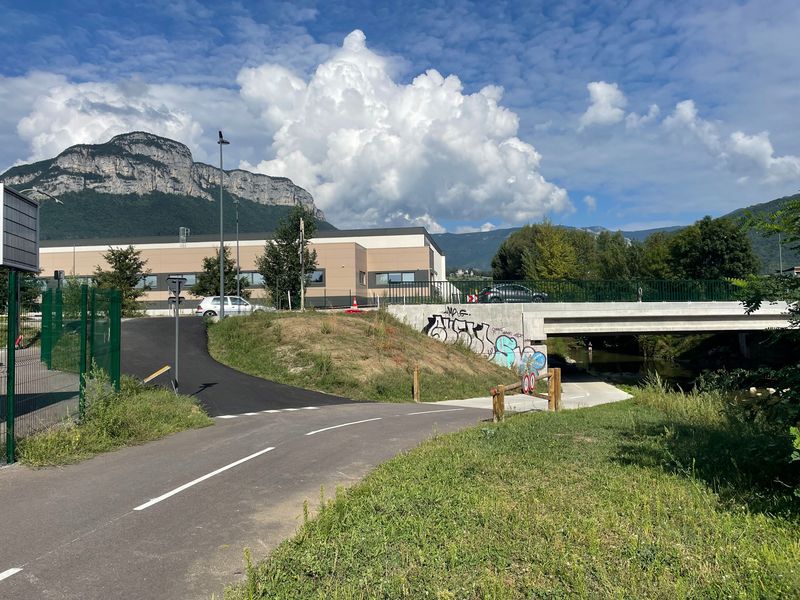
x,y
415,384
82,372
499,404
11,360
92,321
554,389
46,337
58,316
115,316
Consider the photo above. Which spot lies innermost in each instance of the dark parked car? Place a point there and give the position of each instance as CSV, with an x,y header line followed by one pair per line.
x,y
510,292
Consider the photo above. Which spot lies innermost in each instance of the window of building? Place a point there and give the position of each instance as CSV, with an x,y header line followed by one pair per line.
x,y
362,278
147,282
316,277
390,278
254,279
191,279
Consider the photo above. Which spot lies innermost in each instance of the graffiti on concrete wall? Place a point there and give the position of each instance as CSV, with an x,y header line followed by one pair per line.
x,y
506,348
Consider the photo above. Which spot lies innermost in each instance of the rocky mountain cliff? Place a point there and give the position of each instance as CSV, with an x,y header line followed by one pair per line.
x,y
141,163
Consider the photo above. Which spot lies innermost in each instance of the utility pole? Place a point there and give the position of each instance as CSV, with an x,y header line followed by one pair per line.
x,y
222,142
175,284
780,253
302,266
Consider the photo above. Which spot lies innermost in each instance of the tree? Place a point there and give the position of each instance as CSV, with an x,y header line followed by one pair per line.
x,y
127,270
552,255
712,249
208,280
613,252
280,263
29,290
656,260
507,262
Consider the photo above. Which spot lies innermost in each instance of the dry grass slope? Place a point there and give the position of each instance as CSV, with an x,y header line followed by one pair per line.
x,y
367,356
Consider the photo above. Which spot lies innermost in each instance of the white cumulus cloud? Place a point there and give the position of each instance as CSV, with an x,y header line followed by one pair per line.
x,y
744,154
590,202
374,151
81,113
607,105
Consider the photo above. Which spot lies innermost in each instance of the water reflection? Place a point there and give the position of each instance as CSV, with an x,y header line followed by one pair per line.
x,y
630,368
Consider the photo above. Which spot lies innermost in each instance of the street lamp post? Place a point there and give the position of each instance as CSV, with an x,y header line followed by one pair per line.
x,y
238,264
37,190
222,142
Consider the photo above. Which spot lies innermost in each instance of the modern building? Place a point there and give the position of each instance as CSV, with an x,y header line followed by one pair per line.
x,y
360,263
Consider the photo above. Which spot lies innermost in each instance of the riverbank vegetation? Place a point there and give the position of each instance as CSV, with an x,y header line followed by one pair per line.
x,y
708,249
134,415
367,356
661,496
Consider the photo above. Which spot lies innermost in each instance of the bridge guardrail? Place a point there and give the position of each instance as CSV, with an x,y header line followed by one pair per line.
x,y
635,290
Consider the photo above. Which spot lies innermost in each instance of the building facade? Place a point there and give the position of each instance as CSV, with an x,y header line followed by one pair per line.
x,y
360,264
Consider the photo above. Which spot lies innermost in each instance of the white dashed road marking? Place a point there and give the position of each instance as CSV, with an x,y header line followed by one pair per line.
x,y
186,486
428,412
343,425
270,411
9,572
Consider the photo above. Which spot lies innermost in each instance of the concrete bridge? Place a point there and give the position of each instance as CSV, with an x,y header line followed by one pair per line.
x,y
507,333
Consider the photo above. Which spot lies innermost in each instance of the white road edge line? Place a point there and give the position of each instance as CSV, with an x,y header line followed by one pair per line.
x,y
311,408
186,486
9,572
427,412
227,416
343,425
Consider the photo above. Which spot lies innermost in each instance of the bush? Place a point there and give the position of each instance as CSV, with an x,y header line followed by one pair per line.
x,y
135,414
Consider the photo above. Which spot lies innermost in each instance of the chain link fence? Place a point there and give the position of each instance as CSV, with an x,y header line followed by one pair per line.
x,y
49,348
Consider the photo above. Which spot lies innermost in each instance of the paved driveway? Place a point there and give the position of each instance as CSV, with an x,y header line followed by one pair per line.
x,y
149,343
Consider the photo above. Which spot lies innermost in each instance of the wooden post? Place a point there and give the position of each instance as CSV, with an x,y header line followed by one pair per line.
x,y
499,404
415,385
554,389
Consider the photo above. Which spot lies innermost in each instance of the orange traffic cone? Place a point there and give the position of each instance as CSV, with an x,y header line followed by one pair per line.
x,y
354,308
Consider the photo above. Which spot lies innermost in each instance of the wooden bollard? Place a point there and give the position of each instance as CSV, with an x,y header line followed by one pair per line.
x,y
499,403
415,384
554,389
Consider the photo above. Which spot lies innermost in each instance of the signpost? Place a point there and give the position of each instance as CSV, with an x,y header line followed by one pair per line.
x,y
19,251
175,285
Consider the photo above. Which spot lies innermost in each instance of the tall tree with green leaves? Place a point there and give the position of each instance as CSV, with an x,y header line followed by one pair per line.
x,y
552,255
656,260
280,263
29,290
712,249
127,268
507,261
613,258
208,279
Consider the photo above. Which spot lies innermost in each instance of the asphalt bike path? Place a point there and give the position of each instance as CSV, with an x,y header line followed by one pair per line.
x,y
149,344
170,519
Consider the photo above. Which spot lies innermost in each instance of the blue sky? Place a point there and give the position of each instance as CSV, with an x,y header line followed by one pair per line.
x,y
454,115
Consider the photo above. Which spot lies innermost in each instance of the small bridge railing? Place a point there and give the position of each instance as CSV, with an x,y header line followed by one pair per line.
x,y
635,290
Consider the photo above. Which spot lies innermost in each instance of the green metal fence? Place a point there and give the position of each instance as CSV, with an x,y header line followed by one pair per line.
x,y
49,349
635,290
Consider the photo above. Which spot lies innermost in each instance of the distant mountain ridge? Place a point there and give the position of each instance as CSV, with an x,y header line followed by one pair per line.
x,y
141,163
132,172
476,250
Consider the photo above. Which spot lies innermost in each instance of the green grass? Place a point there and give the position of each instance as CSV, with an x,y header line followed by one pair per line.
x,y
367,356
650,498
135,415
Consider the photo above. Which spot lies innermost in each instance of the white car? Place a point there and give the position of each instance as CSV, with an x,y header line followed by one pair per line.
x,y
234,305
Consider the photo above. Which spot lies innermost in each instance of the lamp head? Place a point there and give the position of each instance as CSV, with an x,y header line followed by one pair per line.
x,y
222,140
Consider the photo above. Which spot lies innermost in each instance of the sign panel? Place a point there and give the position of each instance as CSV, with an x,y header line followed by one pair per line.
x,y
19,225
